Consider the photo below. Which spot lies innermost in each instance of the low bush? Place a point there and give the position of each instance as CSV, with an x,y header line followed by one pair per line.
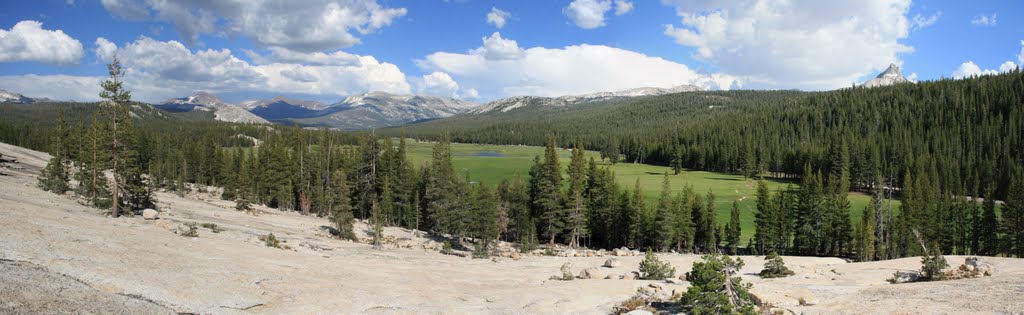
x,y
775,267
213,227
652,268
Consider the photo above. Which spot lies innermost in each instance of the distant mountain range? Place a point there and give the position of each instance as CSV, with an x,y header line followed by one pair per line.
x,y
512,103
364,111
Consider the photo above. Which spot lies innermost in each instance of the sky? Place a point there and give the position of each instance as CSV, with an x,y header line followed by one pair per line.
x,y
480,51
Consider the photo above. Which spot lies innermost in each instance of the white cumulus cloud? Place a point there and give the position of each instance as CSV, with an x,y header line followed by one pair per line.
x,y
576,69
497,48
105,49
970,69
807,44
984,20
438,83
158,70
308,26
588,14
28,41
497,17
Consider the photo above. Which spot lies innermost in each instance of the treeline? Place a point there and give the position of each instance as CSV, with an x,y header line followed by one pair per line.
x,y
970,130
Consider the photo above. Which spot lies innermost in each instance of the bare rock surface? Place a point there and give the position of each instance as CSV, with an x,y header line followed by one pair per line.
x,y
69,254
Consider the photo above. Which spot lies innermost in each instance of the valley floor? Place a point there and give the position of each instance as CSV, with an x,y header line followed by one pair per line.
x,y
57,256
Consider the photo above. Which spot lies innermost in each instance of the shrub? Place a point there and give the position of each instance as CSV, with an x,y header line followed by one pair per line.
x,y
566,273
190,230
652,268
446,248
482,249
932,266
242,205
271,241
213,227
715,288
775,267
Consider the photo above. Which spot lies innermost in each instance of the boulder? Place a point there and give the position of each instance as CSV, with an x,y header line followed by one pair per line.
x,y
636,253
985,269
612,263
150,214
568,253
593,273
619,252
905,276
972,261
639,312
516,256
630,275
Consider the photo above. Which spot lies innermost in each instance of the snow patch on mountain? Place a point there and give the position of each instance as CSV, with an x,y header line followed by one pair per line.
x,y
511,103
223,111
380,109
253,104
11,97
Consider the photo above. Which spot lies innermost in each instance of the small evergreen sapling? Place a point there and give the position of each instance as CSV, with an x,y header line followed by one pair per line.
x,y
774,267
652,268
715,288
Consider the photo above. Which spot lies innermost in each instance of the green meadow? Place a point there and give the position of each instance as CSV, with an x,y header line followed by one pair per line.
x,y
492,163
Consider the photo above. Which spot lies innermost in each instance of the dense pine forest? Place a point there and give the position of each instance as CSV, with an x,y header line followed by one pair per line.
x,y
937,146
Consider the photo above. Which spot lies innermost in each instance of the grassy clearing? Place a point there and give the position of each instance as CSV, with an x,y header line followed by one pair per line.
x,y
492,163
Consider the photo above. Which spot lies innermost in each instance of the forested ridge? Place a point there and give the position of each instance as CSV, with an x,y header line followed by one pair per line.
x,y
935,145
968,130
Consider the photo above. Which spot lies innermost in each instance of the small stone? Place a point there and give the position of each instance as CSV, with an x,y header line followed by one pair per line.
x,y
612,263
150,214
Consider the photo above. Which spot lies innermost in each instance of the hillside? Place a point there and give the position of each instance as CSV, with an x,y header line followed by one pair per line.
x,y
780,131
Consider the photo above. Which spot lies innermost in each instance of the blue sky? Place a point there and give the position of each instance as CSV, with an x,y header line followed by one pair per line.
x,y
325,50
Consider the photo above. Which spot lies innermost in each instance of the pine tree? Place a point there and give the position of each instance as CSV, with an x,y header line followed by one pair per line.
x,y
376,225
576,206
665,218
637,209
54,177
548,196
1013,214
700,234
387,203
865,232
129,190
341,207
989,228
710,228
444,192
732,229
92,183
404,183
485,218
809,214
684,220
764,227
716,288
